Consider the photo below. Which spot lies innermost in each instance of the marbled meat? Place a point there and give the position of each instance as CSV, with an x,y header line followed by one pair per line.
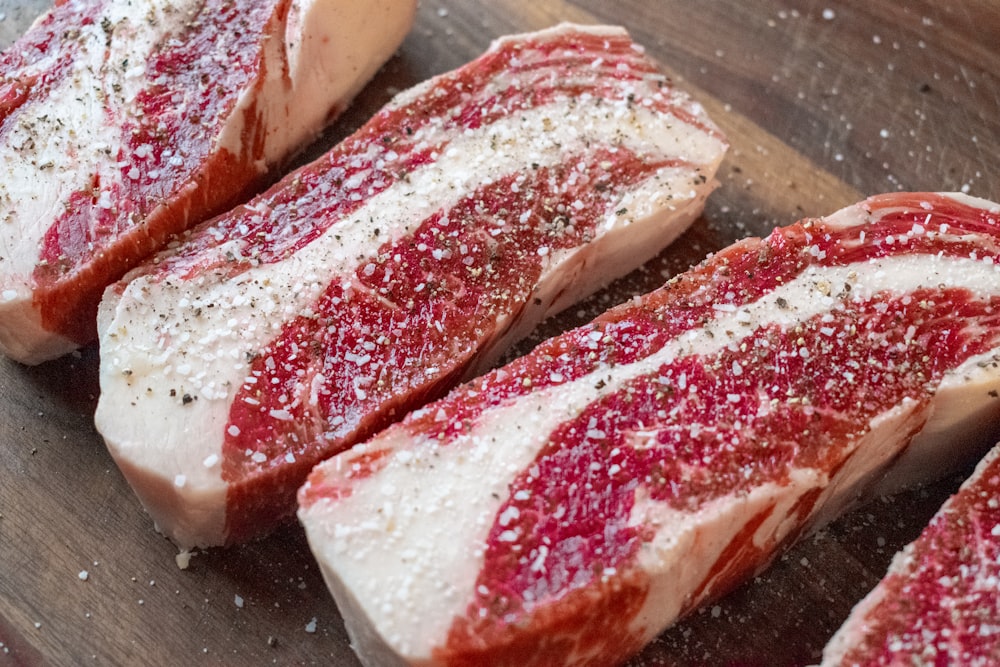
x,y
375,278
939,604
567,507
123,122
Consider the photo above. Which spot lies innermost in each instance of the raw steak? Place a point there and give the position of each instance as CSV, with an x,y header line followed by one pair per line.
x,y
123,122
565,508
377,277
940,602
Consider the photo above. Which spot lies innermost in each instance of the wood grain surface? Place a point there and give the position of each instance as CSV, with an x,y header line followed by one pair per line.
x,y
824,102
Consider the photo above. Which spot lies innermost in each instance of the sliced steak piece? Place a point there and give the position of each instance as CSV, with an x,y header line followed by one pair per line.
x,y
567,507
123,122
374,279
939,604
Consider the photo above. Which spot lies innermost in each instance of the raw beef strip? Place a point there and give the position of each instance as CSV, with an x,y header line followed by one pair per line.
x,y
940,602
123,122
377,277
564,509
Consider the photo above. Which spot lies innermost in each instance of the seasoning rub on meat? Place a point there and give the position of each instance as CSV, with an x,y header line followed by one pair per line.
x,y
375,278
123,122
939,604
567,507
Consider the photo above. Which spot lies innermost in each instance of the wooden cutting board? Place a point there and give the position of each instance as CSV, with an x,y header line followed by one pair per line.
x,y
823,102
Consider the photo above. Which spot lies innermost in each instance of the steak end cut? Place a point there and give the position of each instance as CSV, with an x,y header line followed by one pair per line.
x,y
125,122
940,601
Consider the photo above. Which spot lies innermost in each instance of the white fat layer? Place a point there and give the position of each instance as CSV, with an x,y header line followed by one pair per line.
x,y
331,46
960,427
687,546
25,339
205,356
339,529
56,148
414,540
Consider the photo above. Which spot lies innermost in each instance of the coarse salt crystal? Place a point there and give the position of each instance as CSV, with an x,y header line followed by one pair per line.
x,y
183,559
508,515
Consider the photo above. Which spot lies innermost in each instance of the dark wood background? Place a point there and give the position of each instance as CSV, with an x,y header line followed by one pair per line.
x,y
824,102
